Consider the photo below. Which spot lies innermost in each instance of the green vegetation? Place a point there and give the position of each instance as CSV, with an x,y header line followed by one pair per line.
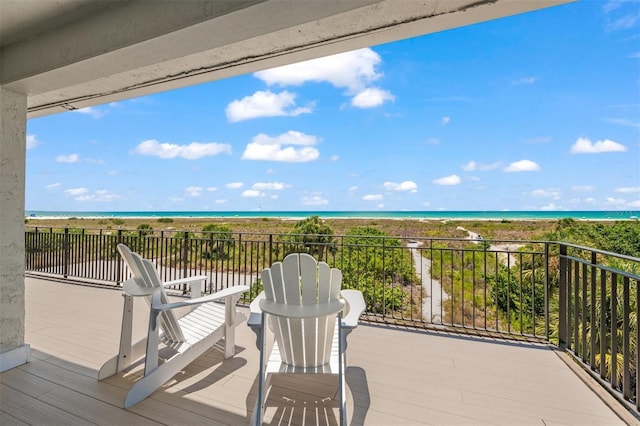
x,y
165,220
144,229
381,268
311,235
218,239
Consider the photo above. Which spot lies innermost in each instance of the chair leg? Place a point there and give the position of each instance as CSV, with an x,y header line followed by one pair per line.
x,y
341,373
258,411
229,328
153,340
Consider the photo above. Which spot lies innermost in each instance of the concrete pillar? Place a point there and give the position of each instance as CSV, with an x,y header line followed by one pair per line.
x,y
13,125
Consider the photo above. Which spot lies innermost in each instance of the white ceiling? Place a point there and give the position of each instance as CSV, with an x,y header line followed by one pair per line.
x,y
68,54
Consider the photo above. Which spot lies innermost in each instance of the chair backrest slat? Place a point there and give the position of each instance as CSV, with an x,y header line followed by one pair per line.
x,y
309,280
145,275
291,278
300,279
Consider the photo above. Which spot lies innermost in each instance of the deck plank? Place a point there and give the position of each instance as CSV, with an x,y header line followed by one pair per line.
x,y
395,376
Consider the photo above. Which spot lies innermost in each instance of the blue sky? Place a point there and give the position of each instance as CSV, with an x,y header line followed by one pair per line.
x,y
539,111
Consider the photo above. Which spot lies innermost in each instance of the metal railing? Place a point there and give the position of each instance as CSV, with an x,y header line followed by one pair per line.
x,y
598,316
582,299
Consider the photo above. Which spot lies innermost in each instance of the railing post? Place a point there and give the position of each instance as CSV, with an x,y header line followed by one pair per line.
x,y
562,298
65,253
546,290
119,261
270,249
185,260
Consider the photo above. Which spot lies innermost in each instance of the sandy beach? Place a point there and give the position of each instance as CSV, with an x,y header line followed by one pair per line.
x,y
407,228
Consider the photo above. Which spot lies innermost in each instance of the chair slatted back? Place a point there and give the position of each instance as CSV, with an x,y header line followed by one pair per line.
x,y
300,280
146,275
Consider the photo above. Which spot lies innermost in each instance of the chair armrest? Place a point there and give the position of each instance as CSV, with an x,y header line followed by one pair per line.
x,y
255,316
196,292
185,280
355,307
222,294
301,311
131,288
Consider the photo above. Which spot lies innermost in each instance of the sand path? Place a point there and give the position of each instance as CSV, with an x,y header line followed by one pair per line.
x,y
432,303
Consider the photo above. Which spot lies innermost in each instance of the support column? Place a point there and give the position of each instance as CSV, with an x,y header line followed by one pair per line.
x,y
13,124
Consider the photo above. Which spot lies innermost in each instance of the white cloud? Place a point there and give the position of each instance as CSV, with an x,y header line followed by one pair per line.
x,y
95,160
548,193
634,204
585,146
426,203
100,195
623,23
353,70
72,158
194,191
265,104
93,112
315,200
32,141
473,166
550,206
624,121
445,120
371,98
448,180
541,139
220,201
353,188
234,185
53,185
334,158
524,80
522,166
191,151
611,201
76,191
253,193
612,5
267,148
432,141
407,185
273,186
372,197
628,190
583,188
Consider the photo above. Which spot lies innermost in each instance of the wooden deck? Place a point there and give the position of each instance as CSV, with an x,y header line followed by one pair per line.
x,y
394,377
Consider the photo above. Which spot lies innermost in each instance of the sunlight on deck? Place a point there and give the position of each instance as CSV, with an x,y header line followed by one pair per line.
x,y
394,376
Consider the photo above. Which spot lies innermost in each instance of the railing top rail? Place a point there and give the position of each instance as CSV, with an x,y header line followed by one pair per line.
x,y
617,271
603,252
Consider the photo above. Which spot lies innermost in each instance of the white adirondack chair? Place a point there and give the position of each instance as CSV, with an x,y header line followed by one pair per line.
x,y
188,336
302,299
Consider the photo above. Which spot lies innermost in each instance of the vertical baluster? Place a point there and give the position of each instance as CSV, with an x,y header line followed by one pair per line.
x,y
614,331
626,351
593,317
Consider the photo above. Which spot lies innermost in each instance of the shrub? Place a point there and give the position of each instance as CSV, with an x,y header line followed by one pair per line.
x,y
217,240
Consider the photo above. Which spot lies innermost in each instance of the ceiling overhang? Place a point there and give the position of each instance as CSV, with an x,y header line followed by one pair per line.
x,y
104,51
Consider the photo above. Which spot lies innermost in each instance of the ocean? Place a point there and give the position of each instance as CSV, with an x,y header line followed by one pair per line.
x,y
418,215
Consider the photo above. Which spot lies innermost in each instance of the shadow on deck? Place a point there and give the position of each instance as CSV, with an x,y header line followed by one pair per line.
x,y
395,376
